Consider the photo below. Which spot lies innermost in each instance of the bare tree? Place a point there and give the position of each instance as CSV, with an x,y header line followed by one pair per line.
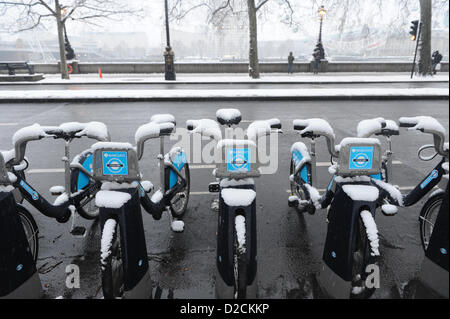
x,y
218,10
32,13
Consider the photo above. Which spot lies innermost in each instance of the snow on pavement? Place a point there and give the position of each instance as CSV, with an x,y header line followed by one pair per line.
x,y
242,93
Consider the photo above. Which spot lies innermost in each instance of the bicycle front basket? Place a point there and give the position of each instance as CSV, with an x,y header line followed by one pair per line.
x,y
359,156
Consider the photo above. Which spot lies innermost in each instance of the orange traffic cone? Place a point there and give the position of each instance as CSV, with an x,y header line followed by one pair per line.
x,y
100,74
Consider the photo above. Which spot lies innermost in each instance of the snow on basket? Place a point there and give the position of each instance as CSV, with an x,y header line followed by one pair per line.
x,y
238,197
111,199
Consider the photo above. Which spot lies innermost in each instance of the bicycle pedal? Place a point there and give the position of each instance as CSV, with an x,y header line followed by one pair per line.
x,y
214,187
293,201
78,231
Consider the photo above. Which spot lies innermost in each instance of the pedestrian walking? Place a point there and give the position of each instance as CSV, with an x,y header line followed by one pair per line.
x,y
291,63
316,56
436,59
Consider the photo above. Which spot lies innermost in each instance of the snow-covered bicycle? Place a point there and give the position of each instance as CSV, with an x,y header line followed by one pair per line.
x,y
352,197
124,261
236,232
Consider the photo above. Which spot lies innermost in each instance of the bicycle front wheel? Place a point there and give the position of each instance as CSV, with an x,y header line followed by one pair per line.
x,y
111,261
362,257
428,215
31,230
240,259
179,202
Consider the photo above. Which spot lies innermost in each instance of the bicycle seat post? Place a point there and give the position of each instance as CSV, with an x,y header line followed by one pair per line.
x,y
161,163
66,160
389,154
313,161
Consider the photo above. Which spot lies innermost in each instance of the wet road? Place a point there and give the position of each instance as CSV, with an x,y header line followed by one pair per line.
x,y
183,265
217,86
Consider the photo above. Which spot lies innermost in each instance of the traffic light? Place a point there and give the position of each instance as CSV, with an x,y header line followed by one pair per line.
x,y
414,28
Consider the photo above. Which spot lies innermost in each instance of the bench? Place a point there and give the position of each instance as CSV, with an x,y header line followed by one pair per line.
x,y
13,66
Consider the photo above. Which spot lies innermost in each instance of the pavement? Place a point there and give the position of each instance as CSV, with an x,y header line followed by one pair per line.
x,y
289,244
227,87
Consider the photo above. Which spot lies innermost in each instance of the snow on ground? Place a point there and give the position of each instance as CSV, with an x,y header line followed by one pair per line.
x,y
240,77
243,93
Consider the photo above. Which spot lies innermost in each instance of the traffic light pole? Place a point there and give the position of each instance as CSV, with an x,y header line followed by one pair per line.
x,y
417,47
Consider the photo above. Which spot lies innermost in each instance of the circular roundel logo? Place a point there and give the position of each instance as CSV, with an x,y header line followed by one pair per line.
x,y
435,174
361,159
114,164
238,161
35,196
19,267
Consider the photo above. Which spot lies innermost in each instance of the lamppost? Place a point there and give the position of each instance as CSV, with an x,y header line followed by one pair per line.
x,y
319,46
169,56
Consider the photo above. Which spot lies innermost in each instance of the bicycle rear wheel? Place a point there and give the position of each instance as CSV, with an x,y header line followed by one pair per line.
x,y
428,215
111,261
31,230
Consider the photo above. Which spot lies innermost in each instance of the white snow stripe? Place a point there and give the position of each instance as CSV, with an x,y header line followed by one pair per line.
x,y
179,94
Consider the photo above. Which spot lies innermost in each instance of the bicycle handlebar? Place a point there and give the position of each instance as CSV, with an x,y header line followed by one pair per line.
x,y
430,125
314,128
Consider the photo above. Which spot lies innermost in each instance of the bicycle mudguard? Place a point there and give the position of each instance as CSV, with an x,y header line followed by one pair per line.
x,y
225,239
343,222
437,250
80,180
18,274
132,242
171,177
304,171
426,185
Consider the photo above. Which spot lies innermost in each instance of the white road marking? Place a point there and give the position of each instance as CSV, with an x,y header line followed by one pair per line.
x,y
326,164
202,166
9,124
201,193
45,171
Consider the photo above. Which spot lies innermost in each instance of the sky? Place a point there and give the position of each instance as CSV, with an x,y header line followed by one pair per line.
x,y
270,27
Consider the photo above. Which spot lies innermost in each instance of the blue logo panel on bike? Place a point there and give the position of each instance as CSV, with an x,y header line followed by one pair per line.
x,y
238,160
115,163
361,158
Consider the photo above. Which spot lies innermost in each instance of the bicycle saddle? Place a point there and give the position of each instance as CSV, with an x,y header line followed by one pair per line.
x,y
163,118
228,116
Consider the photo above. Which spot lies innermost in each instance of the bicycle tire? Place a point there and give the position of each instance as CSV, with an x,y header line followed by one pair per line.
x,y
86,205
240,266
31,230
111,261
361,259
179,212
296,190
431,206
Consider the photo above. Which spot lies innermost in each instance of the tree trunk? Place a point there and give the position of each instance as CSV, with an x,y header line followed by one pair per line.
x,y
62,50
425,38
253,70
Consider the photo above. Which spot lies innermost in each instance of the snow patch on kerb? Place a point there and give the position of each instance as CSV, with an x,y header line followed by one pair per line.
x,y
372,232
